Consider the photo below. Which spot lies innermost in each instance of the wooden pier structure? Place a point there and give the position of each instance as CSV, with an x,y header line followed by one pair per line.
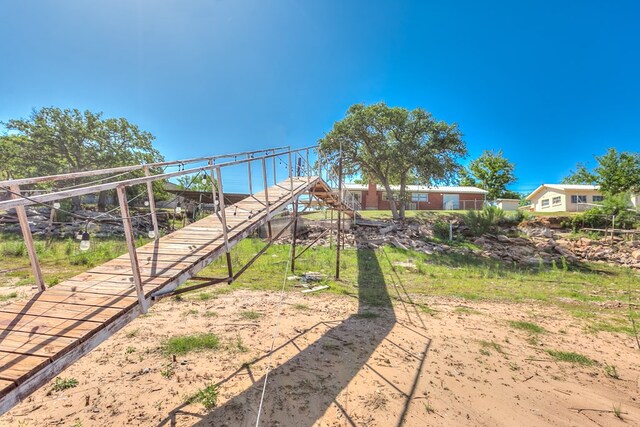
x,y
42,336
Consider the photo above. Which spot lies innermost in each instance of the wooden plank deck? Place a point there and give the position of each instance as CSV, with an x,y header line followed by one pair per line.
x,y
42,336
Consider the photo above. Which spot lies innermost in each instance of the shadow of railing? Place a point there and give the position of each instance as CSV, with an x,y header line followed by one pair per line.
x,y
322,370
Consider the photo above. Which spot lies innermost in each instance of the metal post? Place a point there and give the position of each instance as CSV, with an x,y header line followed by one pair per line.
x,y
266,196
320,164
223,217
28,239
213,187
152,204
249,171
131,246
275,180
339,216
294,236
291,175
308,168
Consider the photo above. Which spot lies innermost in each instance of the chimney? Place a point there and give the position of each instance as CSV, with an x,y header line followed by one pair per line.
x,y
371,199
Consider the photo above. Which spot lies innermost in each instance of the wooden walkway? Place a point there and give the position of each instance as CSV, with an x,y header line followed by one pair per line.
x,y
42,336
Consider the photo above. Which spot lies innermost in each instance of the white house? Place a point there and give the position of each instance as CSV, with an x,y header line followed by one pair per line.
x,y
508,204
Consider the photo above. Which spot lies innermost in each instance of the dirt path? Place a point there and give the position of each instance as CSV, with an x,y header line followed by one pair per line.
x,y
338,364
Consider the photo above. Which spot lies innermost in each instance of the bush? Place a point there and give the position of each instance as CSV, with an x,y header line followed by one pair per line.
x,y
441,229
602,216
484,221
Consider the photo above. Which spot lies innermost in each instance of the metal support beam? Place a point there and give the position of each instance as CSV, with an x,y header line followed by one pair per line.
x,y
223,217
338,241
213,187
249,172
152,204
28,239
294,236
320,236
266,195
308,168
131,247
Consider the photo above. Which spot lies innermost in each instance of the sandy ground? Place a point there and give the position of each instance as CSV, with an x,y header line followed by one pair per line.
x,y
336,364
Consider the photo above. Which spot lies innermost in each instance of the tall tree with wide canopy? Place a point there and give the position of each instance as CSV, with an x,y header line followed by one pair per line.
x,y
393,145
616,173
492,172
55,141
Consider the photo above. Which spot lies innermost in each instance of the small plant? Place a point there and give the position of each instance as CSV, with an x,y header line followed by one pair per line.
x,y
205,296
64,384
302,307
571,357
617,410
168,371
208,397
428,407
8,296
250,315
611,371
441,230
527,326
133,333
209,313
491,344
130,350
485,352
484,221
237,345
185,343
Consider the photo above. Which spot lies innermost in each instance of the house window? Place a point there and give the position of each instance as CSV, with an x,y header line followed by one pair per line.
x,y
578,199
385,197
419,197
556,200
597,199
545,203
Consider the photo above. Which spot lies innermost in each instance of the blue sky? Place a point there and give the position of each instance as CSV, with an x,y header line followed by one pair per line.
x,y
550,83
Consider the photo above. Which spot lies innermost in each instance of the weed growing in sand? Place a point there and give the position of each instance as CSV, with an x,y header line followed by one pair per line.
x,y
611,371
168,371
64,384
209,313
133,333
485,352
527,326
185,343
617,410
466,310
208,396
301,307
237,345
426,309
250,315
491,344
571,357
205,296
8,296
130,350
192,312
428,407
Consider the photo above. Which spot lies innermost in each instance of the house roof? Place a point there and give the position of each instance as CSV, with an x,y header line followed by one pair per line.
x,y
422,189
563,187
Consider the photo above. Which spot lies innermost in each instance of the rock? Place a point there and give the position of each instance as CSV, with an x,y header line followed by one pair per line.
x,y
636,255
480,241
503,239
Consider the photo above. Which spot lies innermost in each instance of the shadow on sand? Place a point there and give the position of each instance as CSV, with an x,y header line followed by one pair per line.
x,y
299,391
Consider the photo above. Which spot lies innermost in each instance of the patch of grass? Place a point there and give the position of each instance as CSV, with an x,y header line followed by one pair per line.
x,y
130,350
527,326
64,384
192,312
205,296
611,371
210,313
301,307
485,352
237,345
426,309
571,357
8,296
207,396
491,345
617,411
466,310
168,371
250,315
133,333
184,344
368,315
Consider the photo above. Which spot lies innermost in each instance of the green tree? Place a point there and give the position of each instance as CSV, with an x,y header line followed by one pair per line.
x,y
615,173
393,145
581,175
199,183
55,141
492,172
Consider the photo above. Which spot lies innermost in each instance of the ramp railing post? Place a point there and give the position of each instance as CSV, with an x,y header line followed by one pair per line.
x,y
223,217
28,239
131,246
294,235
338,238
266,196
249,171
213,187
152,205
275,180
308,167
291,175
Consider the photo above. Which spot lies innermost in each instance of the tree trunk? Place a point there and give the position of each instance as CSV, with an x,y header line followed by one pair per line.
x,y
103,197
77,203
392,202
403,185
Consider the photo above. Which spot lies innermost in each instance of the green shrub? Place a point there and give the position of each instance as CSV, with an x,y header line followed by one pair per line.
x,y
441,229
602,216
484,221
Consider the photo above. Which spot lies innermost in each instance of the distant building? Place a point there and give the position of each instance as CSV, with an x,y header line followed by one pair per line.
x,y
508,204
565,197
374,197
